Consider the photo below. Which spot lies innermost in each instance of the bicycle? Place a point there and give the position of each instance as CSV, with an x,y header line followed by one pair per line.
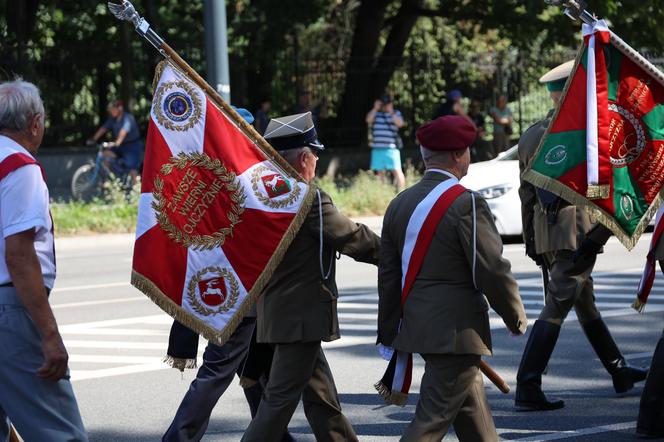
x,y
89,180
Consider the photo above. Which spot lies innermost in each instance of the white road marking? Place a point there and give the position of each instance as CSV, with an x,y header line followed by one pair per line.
x,y
579,432
90,286
79,375
115,359
99,302
121,345
114,332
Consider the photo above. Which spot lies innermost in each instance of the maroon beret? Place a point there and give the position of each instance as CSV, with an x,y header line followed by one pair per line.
x,y
450,132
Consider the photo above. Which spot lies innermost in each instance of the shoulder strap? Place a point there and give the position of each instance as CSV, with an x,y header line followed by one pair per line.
x,y
15,161
419,233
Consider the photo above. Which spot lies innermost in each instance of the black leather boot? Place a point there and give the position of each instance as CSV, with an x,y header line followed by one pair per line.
x,y
651,409
536,355
624,376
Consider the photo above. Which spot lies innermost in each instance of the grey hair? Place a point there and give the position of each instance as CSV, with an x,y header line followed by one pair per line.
x,y
19,102
292,155
434,156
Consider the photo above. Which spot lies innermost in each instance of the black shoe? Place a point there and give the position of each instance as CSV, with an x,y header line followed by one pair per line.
x,y
536,355
651,408
624,376
531,398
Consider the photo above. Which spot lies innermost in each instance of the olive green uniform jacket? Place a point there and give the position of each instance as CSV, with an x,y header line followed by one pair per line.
x,y
572,222
299,304
445,313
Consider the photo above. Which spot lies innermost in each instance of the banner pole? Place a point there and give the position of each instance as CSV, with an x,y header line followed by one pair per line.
x,y
575,10
125,11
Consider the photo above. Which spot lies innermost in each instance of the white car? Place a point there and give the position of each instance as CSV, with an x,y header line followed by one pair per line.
x,y
497,180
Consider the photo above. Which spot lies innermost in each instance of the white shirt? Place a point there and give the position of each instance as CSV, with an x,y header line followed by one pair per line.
x,y
24,205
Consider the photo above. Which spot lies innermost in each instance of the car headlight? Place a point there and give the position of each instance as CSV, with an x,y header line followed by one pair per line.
x,y
495,191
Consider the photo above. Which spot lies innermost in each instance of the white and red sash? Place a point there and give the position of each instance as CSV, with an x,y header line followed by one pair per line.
x,y
648,277
424,220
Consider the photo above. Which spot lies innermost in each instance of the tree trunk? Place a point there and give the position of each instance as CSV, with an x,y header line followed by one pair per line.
x,y
357,97
21,18
390,58
127,66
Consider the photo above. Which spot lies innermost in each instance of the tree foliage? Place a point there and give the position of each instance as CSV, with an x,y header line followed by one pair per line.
x,y
345,51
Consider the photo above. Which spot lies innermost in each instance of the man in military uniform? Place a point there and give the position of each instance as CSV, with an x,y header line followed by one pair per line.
x,y
552,231
445,316
651,409
298,308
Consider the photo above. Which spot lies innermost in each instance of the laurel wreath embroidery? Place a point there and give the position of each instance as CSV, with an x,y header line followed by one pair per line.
x,y
278,204
158,102
234,287
232,185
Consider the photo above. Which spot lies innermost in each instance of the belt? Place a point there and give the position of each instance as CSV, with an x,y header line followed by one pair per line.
x,y
7,284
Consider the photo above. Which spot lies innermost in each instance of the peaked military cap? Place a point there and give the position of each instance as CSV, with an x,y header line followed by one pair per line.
x,y
293,131
556,77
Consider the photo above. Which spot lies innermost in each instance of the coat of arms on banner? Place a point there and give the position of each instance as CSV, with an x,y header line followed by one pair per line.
x,y
217,210
604,148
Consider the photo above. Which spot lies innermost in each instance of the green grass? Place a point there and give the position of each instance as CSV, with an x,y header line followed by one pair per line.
x,y
75,218
364,194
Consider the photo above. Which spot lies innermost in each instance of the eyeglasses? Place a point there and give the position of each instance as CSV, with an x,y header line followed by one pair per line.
x,y
313,152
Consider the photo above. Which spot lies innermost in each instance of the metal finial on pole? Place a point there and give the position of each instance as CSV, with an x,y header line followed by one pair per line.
x,y
125,11
574,9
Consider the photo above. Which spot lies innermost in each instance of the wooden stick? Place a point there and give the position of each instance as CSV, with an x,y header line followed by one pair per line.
x,y
13,437
494,377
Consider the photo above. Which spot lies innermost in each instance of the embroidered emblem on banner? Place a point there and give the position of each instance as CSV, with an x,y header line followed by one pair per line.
x,y
177,106
272,188
556,155
627,207
190,194
213,290
627,136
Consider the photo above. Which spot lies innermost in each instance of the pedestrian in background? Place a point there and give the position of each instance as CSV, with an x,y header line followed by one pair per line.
x,y
384,123
127,145
502,125
451,106
481,149
35,391
262,117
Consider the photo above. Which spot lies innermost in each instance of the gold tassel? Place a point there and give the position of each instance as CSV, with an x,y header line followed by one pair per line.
x,y
246,382
639,305
598,192
180,363
391,397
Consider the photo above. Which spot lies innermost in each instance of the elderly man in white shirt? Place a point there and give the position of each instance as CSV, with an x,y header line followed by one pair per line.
x,y
35,392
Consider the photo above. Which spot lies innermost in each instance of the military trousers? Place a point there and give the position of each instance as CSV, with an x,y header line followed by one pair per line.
x,y
566,291
451,393
300,370
220,363
41,410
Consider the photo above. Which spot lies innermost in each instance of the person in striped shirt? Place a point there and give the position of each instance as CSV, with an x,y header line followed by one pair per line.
x,y
385,122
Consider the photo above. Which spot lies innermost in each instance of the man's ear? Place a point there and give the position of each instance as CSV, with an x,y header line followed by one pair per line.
x,y
34,123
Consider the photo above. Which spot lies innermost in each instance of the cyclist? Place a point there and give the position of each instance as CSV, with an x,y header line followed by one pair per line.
x,y
128,145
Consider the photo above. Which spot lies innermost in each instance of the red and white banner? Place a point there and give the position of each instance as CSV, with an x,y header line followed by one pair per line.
x,y
216,214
